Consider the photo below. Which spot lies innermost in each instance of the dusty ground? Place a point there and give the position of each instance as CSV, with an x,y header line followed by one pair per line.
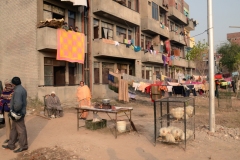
x,y
59,138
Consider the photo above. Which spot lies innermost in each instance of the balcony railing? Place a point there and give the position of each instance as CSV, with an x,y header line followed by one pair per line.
x,y
177,38
152,58
47,39
112,10
177,16
191,25
101,48
152,26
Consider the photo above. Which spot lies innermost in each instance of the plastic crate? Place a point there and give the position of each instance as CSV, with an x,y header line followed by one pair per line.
x,y
89,124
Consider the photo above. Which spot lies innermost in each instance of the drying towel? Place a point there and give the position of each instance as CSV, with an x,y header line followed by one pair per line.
x,y
123,91
169,88
143,86
135,85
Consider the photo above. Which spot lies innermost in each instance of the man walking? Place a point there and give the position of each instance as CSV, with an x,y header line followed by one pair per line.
x,y
18,106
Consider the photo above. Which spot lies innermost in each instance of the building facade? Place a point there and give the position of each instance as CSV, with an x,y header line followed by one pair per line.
x,y
110,26
234,37
30,52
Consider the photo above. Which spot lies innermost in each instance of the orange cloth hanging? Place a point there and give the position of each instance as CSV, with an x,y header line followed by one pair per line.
x,y
70,46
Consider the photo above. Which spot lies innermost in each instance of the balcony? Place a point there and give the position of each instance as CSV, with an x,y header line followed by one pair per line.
x,y
116,12
102,49
151,58
177,38
177,16
152,27
190,25
180,62
47,39
191,64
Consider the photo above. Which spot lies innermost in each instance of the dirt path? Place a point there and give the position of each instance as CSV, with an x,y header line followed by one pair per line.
x,y
101,144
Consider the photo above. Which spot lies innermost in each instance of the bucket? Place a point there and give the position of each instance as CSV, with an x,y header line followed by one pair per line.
x,y
121,126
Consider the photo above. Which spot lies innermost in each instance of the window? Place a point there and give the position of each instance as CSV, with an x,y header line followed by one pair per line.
x,y
121,31
107,30
142,41
129,4
148,42
95,28
172,26
122,68
96,72
106,68
129,34
71,19
154,11
50,11
161,46
163,19
54,72
149,73
72,72
176,5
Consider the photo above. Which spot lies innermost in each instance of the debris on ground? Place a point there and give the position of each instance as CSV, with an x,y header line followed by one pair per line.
x,y
46,153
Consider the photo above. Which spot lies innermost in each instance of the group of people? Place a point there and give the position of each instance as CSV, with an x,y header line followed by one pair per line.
x,y
13,102
69,28
55,109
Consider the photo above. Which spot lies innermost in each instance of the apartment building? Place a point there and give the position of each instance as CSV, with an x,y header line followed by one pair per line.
x,y
234,37
30,52
113,27
147,24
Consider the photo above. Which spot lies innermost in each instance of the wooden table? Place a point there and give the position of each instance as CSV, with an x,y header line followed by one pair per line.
x,y
126,110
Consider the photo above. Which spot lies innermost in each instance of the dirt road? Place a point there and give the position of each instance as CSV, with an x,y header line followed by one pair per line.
x,y
101,144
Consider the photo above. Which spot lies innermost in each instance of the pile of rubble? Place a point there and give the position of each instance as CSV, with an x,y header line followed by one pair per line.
x,y
221,132
56,152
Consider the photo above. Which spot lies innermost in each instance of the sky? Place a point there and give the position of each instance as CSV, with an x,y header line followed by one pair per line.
x,y
225,13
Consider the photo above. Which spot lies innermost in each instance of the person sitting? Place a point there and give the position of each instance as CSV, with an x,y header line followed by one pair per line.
x,y
65,26
76,29
84,98
71,28
54,105
5,99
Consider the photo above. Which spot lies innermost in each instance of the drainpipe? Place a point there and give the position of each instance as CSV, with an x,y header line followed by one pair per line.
x,y
88,60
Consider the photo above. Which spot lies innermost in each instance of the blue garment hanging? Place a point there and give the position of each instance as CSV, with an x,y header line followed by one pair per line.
x,y
137,48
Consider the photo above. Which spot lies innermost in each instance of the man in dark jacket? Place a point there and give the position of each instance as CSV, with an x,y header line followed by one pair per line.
x,y
18,105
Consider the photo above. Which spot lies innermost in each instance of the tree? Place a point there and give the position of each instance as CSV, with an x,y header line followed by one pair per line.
x,y
230,53
199,54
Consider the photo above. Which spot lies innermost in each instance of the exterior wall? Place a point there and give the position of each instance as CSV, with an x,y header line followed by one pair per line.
x,y
18,53
104,49
114,8
64,93
234,37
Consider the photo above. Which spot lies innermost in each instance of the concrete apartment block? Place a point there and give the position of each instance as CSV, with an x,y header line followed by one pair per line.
x,y
234,37
18,53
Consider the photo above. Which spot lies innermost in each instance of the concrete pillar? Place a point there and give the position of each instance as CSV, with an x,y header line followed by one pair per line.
x,y
145,73
138,68
100,70
115,68
191,73
128,69
100,29
114,31
66,74
66,16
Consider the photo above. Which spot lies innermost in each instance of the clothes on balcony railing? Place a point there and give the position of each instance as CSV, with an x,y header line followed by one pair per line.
x,y
70,46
